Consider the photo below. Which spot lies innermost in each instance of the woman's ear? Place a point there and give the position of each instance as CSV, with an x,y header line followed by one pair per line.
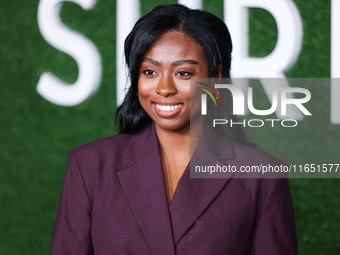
x,y
219,77
219,71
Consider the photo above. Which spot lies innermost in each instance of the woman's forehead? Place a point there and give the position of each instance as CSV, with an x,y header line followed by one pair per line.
x,y
174,46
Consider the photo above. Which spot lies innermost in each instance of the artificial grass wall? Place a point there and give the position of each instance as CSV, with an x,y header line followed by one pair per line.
x,y
37,135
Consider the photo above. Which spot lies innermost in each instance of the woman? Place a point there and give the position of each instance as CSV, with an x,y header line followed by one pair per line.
x,y
132,193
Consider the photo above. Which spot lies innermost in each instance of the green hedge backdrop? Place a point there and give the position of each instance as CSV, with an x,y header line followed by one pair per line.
x,y
36,135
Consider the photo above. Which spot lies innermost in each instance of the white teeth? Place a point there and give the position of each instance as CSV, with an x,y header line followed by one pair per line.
x,y
167,108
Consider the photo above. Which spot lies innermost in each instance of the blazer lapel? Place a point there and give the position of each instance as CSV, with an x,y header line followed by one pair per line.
x,y
143,185
193,195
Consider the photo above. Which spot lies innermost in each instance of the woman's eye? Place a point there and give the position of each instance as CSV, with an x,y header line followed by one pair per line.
x,y
149,72
184,74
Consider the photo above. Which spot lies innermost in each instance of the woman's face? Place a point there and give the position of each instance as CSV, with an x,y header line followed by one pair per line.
x,y
164,80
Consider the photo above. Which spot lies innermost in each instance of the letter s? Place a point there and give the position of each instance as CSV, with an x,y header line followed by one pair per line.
x,y
74,44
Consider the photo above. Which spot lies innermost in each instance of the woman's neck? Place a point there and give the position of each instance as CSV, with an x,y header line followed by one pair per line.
x,y
175,143
176,149
179,144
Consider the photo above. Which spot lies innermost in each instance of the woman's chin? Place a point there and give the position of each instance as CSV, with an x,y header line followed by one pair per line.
x,y
171,125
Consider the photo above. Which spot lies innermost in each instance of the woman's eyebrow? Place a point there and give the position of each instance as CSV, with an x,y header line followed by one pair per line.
x,y
184,62
175,63
154,62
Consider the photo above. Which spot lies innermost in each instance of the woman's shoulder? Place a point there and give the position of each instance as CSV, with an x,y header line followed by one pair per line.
x,y
109,148
254,153
258,163
106,145
249,153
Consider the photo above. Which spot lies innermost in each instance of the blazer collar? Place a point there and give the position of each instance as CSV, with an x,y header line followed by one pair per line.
x,y
142,144
145,142
144,188
194,195
143,184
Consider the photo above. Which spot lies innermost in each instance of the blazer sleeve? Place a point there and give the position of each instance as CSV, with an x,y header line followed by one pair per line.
x,y
73,222
275,232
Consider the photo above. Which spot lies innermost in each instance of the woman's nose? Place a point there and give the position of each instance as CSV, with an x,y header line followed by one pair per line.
x,y
166,86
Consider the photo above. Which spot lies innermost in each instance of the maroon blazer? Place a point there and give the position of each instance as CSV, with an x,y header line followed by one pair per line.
x,y
114,202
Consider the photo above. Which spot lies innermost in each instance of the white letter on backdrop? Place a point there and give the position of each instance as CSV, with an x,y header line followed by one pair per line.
x,y
127,15
335,62
285,53
74,44
194,4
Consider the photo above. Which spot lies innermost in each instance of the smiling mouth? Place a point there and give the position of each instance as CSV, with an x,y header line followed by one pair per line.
x,y
167,110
